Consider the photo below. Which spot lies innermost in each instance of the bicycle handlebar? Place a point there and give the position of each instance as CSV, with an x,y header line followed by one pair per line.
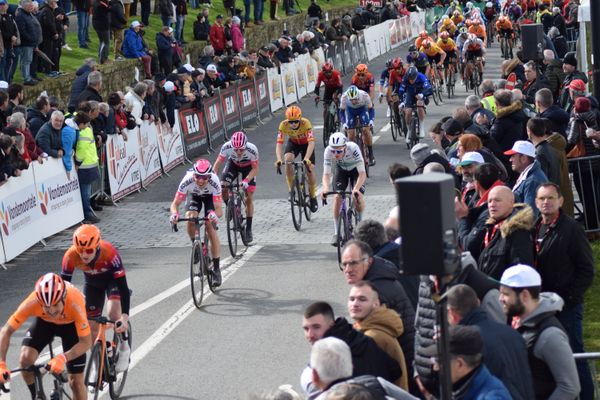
x,y
192,219
340,192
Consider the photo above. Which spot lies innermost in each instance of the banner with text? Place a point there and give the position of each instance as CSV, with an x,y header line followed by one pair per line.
x,y
231,109
417,23
123,165
300,74
347,57
275,89
354,53
262,93
311,73
320,54
170,144
2,256
362,47
288,83
148,152
59,197
194,132
214,119
246,93
371,35
338,51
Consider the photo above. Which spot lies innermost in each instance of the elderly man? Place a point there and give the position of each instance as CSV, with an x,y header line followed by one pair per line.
x,y
554,72
556,117
30,33
479,115
570,69
92,90
509,125
49,137
507,240
534,82
284,53
523,162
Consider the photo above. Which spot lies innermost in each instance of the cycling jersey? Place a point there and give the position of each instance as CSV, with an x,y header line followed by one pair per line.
x,y
457,19
106,265
362,109
302,135
473,46
489,12
479,31
396,78
419,41
432,51
408,91
332,81
73,312
447,46
450,28
364,84
506,26
384,78
352,159
460,42
421,61
189,186
248,157
364,101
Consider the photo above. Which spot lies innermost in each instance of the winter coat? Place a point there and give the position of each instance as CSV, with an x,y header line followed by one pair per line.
x,y
385,326
391,252
201,29
49,140
483,386
425,322
138,106
546,156
31,146
525,189
504,353
35,119
163,46
79,84
510,244
101,15
180,7
69,135
509,125
237,38
434,157
264,61
284,55
332,34
558,119
471,230
8,28
217,37
560,45
564,100
578,123
559,143
133,46
530,89
47,22
358,23
555,77
82,5
117,15
559,23
165,8
30,29
89,94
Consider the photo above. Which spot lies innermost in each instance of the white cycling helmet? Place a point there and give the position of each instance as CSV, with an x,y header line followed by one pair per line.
x,y
337,139
489,4
352,92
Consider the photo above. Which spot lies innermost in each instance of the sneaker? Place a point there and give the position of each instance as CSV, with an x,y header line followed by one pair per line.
x,y
216,276
334,240
314,204
122,363
30,82
67,47
372,161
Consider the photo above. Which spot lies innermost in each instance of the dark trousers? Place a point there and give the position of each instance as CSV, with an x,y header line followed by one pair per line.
x,y
145,12
104,46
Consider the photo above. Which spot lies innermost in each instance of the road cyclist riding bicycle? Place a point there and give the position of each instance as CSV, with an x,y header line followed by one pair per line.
x,y
59,310
435,55
332,80
447,26
301,142
414,92
478,30
357,103
364,80
504,31
395,80
343,158
418,59
384,79
449,47
241,157
473,50
201,188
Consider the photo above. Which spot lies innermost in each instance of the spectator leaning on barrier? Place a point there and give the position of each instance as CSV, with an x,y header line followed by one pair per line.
x,y
69,138
11,163
357,21
49,136
17,121
136,97
86,161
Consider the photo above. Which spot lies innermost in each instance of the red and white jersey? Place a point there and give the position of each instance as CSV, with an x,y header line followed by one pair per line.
x,y
188,186
248,158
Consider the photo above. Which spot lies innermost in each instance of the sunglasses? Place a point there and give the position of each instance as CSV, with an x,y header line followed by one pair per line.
x,y
293,122
201,177
337,151
240,150
361,74
86,251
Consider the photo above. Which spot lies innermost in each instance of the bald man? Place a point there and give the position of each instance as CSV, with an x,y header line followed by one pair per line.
x,y
507,240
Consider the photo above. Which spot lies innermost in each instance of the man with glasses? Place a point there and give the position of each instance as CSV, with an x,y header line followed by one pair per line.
x,y
418,59
241,157
364,80
357,103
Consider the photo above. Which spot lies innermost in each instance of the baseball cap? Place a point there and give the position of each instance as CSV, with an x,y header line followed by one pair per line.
x,y
520,276
188,67
201,71
577,85
182,70
522,147
169,87
219,16
211,68
3,84
471,157
135,24
582,104
171,30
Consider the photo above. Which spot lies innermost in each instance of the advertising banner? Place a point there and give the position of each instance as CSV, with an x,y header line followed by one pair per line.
x,y
170,144
123,164
376,3
19,209
320,54
355,53
393,27
2,255
311,74
300,74
288,82
58,195
384,38
193,131
215,123
337,54
231,109
246,92
417,23
362,46
275,89
372,41
148,152
404,29
347,57
262,93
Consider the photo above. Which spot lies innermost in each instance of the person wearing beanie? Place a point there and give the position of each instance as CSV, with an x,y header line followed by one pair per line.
x,y
569,68
422,155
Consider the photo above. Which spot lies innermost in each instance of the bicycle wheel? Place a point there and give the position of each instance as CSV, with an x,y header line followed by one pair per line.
x,y
296,204
306,196
341,225
197,271
327,128
240,226
403,125
393,126
116,385
92,378
434,86
414,138
231,226
363,150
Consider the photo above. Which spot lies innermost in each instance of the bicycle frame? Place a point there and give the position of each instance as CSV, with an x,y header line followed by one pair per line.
x,y
103,325
346,205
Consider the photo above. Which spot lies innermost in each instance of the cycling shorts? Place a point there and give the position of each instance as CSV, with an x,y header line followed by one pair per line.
x,y
94,297
328,95
344,178
351,114
422,68
434,59
473,54
231,171
196,202
450,55
296,148
41,333
410,100
506,32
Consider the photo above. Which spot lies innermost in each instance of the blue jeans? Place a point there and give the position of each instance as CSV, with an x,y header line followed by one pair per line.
x,y
179,28
82,27
167,21
194,4
26,58
247,5
571,319
86,192
65,4
6,65
258,9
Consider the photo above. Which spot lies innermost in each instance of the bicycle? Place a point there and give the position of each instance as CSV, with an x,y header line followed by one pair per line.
x,y
235,216
103,359
435,84
299,194
451,78
331,123
506,46
475,79
346,221
397,122
361,144
491,30
412,138
200,260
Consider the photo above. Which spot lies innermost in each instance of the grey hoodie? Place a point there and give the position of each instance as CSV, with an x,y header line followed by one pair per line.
x,y
552,347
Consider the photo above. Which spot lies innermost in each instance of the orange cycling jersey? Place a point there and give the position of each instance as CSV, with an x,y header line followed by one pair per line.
x,y
107,265
474,46
450,28
420,40
365,83
302,135
457,19
73,312
447,46
479,30
507,25
432,51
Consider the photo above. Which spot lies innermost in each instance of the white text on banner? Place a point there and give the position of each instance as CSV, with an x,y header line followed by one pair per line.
x,y
19,210
372,42
311,73
288,82
275,92
148,152
170,146
300,75
58,195
123,164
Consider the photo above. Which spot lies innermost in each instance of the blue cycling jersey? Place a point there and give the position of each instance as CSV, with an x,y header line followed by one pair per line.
x,y
420,61
408,91
385,77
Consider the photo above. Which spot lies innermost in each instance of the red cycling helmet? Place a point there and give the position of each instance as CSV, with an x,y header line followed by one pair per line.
x,y
327,67
203,167
50,289
238,140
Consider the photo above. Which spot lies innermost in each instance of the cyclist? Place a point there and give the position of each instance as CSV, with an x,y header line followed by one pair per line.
x,y
104,273
59,310
384,79
457,17
478,30
414,91
462,37
504,28
349,170
422,37
364,80
473,49
419,59
435,55
490,12
449,47
242,158
202,188
332,80
301,141
513,10
447,26
357,103
396,76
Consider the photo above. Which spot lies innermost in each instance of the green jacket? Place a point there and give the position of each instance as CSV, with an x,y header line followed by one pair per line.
x,y
86,155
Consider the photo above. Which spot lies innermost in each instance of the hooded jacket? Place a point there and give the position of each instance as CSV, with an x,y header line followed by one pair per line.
x,y
89,93
564,100
49,139
509,125
133,46
558,142
482,385
509,244
35,119
559,119
217,37
550,356
69,137
578,123
385,326
555,76
391,252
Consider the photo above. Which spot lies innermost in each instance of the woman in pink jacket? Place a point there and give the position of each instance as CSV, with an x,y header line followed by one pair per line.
x,y
236,35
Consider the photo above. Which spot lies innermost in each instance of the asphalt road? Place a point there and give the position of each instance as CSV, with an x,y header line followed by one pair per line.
x,y
247,337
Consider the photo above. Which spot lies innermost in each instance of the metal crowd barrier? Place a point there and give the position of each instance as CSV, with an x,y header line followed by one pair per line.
x,y
585,175
99,186
592,359
572,37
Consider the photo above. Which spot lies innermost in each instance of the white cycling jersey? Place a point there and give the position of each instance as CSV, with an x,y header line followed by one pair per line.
x,y
352,159
473,42
364,100
249,157
188,186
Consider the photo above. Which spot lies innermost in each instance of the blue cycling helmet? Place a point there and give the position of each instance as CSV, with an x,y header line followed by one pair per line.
x,y
412,73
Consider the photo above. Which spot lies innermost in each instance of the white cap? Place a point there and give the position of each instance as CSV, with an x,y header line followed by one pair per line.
x,y
203,72
3,85
520,276
471,157
135,24
522,147
188,67
169,86
171,30
211,68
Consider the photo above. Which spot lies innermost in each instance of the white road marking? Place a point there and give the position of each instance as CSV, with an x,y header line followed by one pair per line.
x,y
376,138
317,126
386,127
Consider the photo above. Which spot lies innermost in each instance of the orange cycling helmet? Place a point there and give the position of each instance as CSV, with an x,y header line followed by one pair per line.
x,y
502,19
423,34
86,237
444,35
293,113
50,289
361,69
397,63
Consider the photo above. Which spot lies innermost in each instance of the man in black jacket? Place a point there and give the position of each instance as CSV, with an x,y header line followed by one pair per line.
x,y
92,90
31,36
101,23
80,82
545,154
51,35
534,82
8,28
556,117
117,24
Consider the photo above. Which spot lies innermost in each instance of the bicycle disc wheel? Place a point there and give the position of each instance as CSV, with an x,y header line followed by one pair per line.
x,y
92,378
197,271
393,126
296,204
115,387
341,224
231,227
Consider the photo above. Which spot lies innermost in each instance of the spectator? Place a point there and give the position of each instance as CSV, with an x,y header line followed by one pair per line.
x,y
533,83
333,33
534,316
487,89
452,130
388,12
217,36
554,72
127,8
83,8
133,47
164,46
479,116
214,80
180,13
115,101
207,57
86,161
523,160
273,9
468,162
38,114
358,23
11,163
170,101
15,97
51,34
92,90
10,34
559,22
264,58
556,117
237,39
570,69
545,154
559,42
30,33
69,137
314,11
49,136
331,361
202,25
118,22
80,83
229,6
165,9
422,155
101,23
346,26
145,12
507,240
509,125
34,152
136,96
228,37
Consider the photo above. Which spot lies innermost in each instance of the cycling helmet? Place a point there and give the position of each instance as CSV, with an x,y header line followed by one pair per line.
x,y
397,63
327,67
444,35
489,4
352,92
86,237
423,34
468,22
463,30
412,73
337,139
50,289
293,113
447,21
456,13
203,167
361,69
476,22
426,44
388,63
239,140
469,4
412,48
502,19
472,36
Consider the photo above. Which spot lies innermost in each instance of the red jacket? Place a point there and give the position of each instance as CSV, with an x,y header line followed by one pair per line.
x,y
217,37
30,146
